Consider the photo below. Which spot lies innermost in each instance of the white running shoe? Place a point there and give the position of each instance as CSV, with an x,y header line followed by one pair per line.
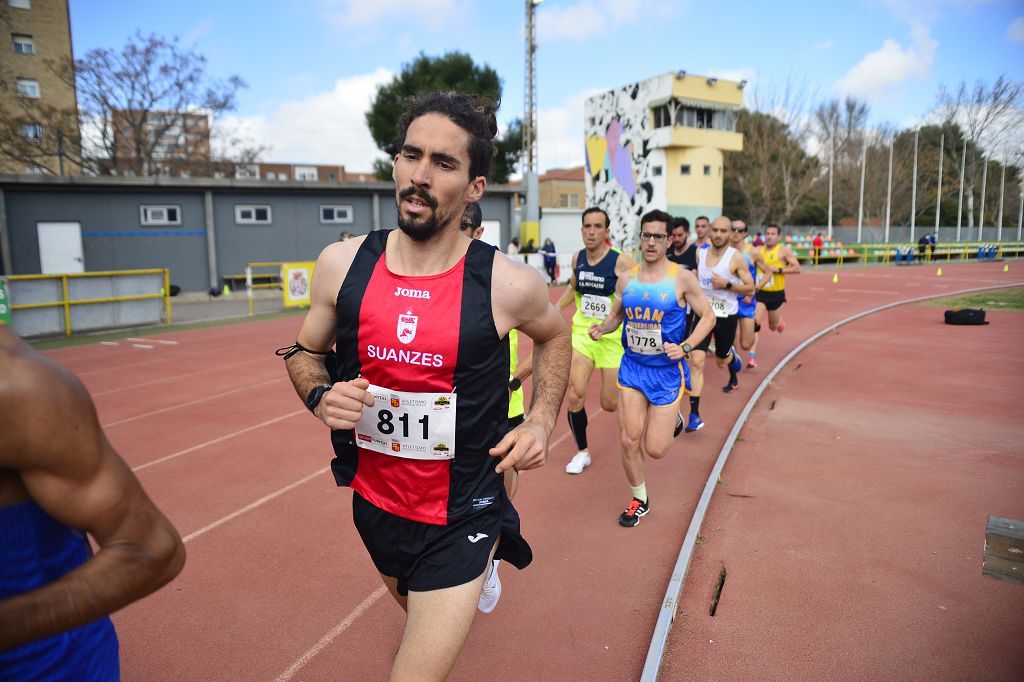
x,y
579,462
491,591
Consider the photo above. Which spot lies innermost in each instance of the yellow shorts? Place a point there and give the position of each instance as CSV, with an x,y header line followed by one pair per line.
x,y
605,353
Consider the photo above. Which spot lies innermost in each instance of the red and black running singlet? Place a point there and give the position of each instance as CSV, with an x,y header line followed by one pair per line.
x,y
425,334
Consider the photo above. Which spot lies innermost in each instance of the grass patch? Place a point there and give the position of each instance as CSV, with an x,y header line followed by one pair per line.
x,y
1004,299
52,343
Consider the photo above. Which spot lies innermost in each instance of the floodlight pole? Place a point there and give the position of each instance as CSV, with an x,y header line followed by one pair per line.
x,y
913,191
888,194
1002,186
960,201
938,195
860,207
530,122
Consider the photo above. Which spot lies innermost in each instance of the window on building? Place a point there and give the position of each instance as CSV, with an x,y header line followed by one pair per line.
x,y
252,215
684,169
305,173
23,44
662,117
704,117
571,200
335,214
656,171
247,172
270,176
20,4
32,131
160,215
707,169
36,169
332,176
28,87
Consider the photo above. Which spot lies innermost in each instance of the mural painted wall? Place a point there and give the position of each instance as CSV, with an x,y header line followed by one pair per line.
x,y
620,157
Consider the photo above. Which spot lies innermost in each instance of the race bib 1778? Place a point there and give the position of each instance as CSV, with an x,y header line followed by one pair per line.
x,y
644,341
408,424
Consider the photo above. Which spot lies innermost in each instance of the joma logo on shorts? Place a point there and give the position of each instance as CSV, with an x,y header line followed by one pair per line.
x,y
412,293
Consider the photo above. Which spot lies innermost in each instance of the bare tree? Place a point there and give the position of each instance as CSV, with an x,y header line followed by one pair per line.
x,y
841,127
774,172
987,115
150,105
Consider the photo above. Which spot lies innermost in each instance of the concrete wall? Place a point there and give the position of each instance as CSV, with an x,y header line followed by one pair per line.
x,y
114,238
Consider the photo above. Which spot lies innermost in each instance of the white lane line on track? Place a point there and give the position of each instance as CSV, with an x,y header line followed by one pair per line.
x,y
252,505
166,343
108,343
670,603
192,402
868,291
165,379
179,453
326,640
141,345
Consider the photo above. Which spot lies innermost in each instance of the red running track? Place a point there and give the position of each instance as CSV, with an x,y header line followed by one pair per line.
x,y
277,584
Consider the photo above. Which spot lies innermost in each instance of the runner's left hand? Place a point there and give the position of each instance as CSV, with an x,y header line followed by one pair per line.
x,y
718,282
674,351
524,447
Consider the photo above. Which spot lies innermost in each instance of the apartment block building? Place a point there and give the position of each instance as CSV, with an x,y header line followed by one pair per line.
x,y
38,106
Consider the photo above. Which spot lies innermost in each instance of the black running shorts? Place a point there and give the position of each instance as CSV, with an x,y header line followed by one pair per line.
x,y
772,300
425,556
724,334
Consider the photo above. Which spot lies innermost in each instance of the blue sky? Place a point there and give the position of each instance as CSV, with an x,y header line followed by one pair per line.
x,y
312,65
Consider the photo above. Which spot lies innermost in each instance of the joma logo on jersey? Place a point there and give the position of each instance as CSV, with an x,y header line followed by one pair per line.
x,y
412,293
407,327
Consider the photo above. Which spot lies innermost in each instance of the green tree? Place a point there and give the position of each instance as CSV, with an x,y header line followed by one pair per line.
x,y
452,71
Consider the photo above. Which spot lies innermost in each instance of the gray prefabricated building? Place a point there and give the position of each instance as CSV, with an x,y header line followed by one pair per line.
x,y
208,240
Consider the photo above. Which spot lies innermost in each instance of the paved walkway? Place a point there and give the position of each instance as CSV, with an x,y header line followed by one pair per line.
x,y
851,517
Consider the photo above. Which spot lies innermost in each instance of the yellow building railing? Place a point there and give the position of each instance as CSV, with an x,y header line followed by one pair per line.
x,y
66,302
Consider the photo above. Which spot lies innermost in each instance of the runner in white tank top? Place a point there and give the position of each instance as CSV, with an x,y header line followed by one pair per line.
x,y
724,277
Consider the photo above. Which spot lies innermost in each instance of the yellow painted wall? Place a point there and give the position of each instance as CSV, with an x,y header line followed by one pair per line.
x,y
695,189
725,140
696,87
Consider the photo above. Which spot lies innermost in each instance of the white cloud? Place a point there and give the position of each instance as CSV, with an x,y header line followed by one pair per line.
x,y
1016,30
737,75
560,141
587,18
881,71
198,31
349,14
329,127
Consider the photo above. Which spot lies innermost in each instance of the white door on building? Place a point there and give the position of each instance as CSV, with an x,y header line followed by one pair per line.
x,y
60,248
492,232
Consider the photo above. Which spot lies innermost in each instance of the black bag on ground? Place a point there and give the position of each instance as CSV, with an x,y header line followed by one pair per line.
x,y
965,316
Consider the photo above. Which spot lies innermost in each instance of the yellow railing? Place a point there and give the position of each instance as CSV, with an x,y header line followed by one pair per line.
x,y
886,253
66,302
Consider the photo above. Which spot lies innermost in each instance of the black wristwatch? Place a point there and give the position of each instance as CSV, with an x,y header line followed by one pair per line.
x,y
728,285
315,395
514,384
687,348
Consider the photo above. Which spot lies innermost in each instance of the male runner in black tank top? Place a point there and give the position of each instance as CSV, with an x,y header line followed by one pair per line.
x,y
420,317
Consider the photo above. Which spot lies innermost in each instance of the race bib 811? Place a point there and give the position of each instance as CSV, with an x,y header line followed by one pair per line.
x,y
407,424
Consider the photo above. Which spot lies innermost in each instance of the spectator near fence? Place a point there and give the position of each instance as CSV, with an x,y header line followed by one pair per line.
x,y
549,258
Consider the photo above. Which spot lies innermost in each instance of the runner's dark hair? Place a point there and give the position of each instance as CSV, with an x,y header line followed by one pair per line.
x,y
472,113
657,216
597,209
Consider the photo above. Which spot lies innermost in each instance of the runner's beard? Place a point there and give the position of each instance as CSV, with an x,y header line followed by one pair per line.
x,y
420,229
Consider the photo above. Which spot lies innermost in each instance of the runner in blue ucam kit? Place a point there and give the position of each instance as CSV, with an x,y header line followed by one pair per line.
x,y
653,299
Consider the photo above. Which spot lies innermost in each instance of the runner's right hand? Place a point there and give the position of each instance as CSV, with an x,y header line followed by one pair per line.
x,y
595,332
342,406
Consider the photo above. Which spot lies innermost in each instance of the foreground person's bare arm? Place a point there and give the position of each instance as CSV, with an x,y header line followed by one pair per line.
x,y
51,444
